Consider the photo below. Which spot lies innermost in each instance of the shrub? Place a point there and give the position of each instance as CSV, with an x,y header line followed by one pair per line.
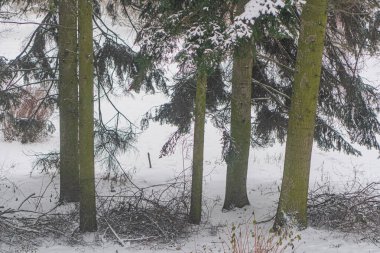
x,y
28,120
258,240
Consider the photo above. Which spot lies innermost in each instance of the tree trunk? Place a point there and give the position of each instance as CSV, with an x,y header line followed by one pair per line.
x,y
295,183
237,160
198,148
68,101
86,119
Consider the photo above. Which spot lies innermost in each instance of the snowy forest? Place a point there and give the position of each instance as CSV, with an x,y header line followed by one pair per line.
x,y
195,126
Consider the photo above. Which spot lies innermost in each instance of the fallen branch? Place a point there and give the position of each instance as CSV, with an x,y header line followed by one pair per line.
x,y
115,234
355,210
26,199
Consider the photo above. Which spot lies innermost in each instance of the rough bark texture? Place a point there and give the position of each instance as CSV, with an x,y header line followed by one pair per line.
x,y
86,119
198,149
302,115
237,161
68,101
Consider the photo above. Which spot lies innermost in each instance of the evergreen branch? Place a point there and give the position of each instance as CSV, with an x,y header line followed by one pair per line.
x,y
106,33
276,62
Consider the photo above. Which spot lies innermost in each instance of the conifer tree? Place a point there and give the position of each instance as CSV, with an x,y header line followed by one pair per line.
x,y
302,115
68,100
37,65
191,22
344,95
237,159
198,147
217,33
86,119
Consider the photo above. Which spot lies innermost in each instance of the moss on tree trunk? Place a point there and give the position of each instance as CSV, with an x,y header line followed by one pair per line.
x,y
68,101
302,115
237,160
198,148
86,119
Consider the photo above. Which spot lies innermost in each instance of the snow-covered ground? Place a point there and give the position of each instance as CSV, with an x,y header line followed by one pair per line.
x,y
265,170
264,177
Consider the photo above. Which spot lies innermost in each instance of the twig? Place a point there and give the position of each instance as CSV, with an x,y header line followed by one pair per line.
x,y
155,223
150,163
116,235
25,23
139,239
31,195
267,220
20,228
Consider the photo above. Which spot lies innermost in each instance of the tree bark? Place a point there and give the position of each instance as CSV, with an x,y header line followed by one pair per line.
x,y
86,119
68,101
302,115
237,160
198,148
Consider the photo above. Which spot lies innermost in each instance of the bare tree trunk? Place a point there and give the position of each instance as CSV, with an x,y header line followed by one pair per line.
x,y
302,115
198,148
237,160
68,100
86,119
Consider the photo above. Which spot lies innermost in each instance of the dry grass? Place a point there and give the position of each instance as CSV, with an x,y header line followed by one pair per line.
x,y
255,239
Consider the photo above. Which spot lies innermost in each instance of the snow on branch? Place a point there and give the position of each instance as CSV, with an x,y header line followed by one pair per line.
x,y
241,28
202,32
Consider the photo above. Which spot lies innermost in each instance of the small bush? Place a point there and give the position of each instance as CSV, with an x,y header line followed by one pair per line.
x,y
46,163
28,121
257,240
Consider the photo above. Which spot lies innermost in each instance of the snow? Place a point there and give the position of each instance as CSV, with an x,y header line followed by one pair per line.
x,y
265,171
241,28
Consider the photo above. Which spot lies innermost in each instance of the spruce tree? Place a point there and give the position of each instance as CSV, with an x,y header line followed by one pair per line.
x,y
221,33
353,25
302,115
192,23
68,100
86,119
198,147
237,158
114,63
